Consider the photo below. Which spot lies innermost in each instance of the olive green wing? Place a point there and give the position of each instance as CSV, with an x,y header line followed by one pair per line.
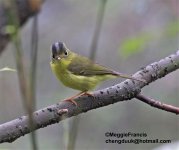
x,y
85,67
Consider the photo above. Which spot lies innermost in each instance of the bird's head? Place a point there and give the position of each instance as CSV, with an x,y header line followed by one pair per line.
x,y
59,51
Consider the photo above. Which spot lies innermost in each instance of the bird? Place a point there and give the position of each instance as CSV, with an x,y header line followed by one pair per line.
x,y
79,72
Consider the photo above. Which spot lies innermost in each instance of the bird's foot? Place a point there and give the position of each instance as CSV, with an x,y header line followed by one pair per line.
x,y
88,94
71,100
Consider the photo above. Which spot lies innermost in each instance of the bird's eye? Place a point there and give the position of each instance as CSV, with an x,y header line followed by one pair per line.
x,y
66,53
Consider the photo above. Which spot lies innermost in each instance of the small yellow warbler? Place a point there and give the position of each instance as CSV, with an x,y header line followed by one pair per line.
x,y
79,72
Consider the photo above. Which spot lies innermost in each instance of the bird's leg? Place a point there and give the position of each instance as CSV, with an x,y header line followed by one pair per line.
x,y
87,93
71,99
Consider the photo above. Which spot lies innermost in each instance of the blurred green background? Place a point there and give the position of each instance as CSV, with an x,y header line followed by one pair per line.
x,y
134,34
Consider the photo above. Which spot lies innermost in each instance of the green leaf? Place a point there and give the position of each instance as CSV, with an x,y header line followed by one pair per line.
x,y
134,45
7,69
172,29
10,29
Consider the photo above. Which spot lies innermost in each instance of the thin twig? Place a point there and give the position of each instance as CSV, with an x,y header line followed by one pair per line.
x,y
32,90
158,104
23,80
97,30
34,53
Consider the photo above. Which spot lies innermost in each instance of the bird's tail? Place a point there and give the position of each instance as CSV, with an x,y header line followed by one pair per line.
x,y
129,77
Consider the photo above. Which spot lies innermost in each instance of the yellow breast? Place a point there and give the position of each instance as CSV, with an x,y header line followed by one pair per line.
x,y
77,82
81,83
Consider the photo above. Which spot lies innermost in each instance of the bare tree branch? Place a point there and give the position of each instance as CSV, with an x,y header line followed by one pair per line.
x,y
124,91
24,8
157,104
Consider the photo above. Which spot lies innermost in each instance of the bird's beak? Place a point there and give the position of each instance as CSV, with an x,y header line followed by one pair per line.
x,y
58,57
54,58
